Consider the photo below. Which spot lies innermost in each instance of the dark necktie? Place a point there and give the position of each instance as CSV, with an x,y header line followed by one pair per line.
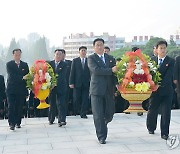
x,y
102,58
18,64
160,62
83,62
56,66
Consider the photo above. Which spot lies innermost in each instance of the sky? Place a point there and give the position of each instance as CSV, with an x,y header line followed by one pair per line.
x,y
58,18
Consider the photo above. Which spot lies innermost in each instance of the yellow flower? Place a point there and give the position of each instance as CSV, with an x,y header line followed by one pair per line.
x,y
138,87
145,87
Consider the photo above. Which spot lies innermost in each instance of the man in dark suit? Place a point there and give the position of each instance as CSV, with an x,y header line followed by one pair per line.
x,y
177,78
79,80
16,88
2,97
57,95
164,95
102,85
69,91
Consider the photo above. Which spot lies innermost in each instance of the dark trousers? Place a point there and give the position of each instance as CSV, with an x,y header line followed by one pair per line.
x,y
154,104
103,108
81,100
57,107
15,108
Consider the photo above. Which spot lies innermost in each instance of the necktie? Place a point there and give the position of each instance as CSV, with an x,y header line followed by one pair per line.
x,y
83,62
160,62
102,58
18,64
56,65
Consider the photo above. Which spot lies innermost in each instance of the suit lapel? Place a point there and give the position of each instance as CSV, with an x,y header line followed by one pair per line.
x,y
79,63
99,61
164,65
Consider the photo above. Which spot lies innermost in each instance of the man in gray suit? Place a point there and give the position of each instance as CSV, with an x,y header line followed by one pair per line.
x,y
102,66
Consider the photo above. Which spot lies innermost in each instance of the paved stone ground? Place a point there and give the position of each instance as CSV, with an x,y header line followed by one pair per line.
x,y
127,134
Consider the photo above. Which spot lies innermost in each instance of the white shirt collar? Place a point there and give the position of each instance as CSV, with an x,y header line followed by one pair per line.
x,y
101,55
161,58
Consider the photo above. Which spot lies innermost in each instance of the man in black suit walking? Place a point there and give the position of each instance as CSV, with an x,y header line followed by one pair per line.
x,y
177,77
69,91
79,80
16,88
102,85
2,97
57,95
164,95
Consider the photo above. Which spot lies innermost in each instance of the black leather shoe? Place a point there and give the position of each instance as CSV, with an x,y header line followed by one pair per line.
x,y
165,137
151,132
84,116
63,123
59,124
18,126
12,128
140,113
50,123
102,141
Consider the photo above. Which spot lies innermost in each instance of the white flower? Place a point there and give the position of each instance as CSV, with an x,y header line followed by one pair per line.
x,y
48,84
131,83
44,86
125,64
40,72
47,77
138,69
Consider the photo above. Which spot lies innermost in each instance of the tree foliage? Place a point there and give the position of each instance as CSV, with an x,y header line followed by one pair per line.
x,y
173,49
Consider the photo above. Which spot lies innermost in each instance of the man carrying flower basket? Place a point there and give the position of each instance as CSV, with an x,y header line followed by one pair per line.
x,y
164,95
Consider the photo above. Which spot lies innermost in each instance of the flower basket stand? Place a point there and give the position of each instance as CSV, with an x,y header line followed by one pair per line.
x,y
135,99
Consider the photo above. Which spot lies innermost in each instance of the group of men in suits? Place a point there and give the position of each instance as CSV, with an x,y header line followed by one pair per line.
x,y
92,80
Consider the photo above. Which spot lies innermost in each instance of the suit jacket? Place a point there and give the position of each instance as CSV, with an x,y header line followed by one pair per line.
x,y
166,69
2,89
177,70
78,75
15,82
68,62
61,79
102,77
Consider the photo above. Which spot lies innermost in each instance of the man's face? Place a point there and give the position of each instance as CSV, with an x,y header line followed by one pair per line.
x,y
58,56
17,55
99,47
83,53
155,51
107,51
161,50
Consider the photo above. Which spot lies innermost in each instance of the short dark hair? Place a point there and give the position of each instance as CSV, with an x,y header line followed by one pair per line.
x,y
106,47
82,47
135,48
16,50
62,50
160,43
98,39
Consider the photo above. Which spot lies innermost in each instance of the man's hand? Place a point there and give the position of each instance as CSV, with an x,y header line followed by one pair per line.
x,y
71,86
114,69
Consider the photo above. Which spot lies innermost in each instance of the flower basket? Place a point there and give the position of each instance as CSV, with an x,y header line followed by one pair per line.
x,y
42,95
41,79
138,77
135,99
